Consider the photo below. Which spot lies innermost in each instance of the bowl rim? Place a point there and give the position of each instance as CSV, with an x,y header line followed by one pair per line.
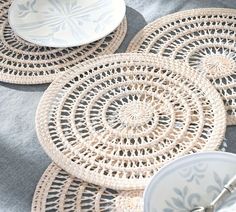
x,y
170,164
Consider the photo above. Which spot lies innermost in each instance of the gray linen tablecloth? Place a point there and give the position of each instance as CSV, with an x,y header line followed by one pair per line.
x,y
22,160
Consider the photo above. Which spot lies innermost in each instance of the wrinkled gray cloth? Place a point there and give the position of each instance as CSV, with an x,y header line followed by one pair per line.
x,y
22,160
152,9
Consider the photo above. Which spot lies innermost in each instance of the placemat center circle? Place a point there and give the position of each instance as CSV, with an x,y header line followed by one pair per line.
x,y
136,113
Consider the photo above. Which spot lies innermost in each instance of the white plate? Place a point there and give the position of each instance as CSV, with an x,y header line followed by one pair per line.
x,y
190,181
65,23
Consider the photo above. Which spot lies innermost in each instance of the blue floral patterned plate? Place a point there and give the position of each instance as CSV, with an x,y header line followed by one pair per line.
x,y
65,23
191,181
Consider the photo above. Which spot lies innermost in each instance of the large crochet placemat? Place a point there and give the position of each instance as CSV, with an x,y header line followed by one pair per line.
x,y
60,192
26,63
115,120
205,39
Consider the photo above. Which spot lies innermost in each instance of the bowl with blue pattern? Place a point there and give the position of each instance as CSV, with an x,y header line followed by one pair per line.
x,y
190,181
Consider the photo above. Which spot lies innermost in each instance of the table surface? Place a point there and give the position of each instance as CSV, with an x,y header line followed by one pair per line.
x,y
22,160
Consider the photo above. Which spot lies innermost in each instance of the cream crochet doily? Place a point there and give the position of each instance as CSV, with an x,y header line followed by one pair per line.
x,y
205,39
58,191
26,63
115,120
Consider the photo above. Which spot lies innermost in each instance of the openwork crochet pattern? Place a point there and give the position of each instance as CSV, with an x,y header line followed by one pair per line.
x,y
26,63
115,120
205,39
57,191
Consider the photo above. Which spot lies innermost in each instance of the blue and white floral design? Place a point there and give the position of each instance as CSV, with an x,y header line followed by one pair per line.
x,y
194,173
58,21
26,8
61,15
183,201
217,186
194,180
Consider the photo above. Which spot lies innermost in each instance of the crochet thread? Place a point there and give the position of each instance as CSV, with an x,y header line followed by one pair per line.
x,y
26,63
203,38
58,191
115,120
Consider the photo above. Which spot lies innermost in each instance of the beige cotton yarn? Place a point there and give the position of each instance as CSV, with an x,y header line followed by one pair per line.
x,y
203,38
115,120
26,63
57,191
4,5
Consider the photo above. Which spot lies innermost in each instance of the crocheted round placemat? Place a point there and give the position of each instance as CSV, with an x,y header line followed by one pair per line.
x,y
58,191
26,63
115,120
205,39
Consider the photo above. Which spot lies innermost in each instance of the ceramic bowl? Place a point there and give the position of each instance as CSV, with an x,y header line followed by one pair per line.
x,y
65,23
193,180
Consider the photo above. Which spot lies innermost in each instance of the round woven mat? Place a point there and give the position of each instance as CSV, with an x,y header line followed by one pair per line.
x,y
115,120
26,63
58,191
205,39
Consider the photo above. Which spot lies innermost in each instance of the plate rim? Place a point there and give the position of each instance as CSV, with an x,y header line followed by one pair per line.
x,y
13,5
171,164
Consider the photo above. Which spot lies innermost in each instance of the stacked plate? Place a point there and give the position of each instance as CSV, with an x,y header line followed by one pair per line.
x,y
111,122
65,24
192,181
47,37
